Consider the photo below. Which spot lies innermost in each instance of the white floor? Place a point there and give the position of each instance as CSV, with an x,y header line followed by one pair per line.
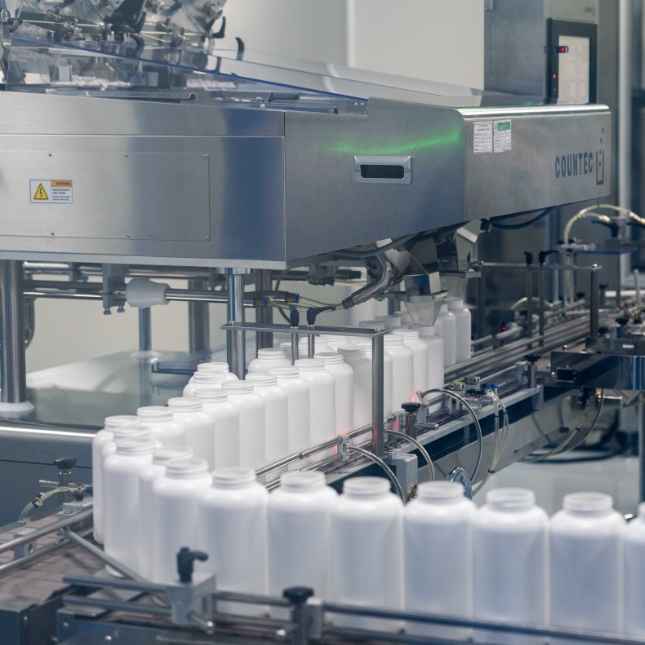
x,y
551,482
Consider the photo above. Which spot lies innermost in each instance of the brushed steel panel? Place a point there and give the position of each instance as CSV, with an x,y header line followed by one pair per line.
x,y
141,196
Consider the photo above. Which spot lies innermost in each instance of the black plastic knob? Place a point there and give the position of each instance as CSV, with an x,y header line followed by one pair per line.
x,y
532,358
298,595
529,258
65,463
411,407
543,255
186,563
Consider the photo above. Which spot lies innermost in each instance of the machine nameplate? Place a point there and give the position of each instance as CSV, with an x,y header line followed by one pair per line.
x,y
502,136
483,137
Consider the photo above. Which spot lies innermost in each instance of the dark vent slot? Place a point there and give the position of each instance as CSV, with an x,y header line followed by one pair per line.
x,y
382,172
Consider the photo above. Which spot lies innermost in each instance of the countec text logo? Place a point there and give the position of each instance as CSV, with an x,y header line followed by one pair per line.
x,y
581,163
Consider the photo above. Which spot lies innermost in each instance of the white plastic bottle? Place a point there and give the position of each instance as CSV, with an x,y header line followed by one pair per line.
x,y
147,477
391,322
322,403
510,563
303,345
122,519
446,327
233,531
175,514
334,342
435,355
388,374
298,402
419,357
367,551
226,423
585,564
634,575
214,366
299,534
198,425
371,324
343,391
355,357
437,529
268,357
276,418
402,370
205,379
102,438
163,426
252,431
463,329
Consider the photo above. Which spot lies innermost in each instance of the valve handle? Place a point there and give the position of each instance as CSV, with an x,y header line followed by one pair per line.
x,y
186,563
529,258
411,407
298,595
543,255
612,226
65,463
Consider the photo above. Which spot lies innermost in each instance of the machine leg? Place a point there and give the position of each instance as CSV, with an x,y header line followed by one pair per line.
x,y
198,320
236,340
641,449
263,315
145,329
12,311
378,415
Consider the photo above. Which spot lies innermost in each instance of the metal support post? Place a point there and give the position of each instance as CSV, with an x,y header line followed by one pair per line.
x,y
618,283
235,339
529,301
481,305
378,414
637,286
594,302
145,329
542,304
264,315
12,313
198,320
311,346
641,448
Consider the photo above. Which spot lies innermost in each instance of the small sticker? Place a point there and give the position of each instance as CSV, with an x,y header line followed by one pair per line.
x,y
502,140
51,191
483,140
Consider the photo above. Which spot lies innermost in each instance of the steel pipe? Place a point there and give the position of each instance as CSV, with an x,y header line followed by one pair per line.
x,y
236,339
198,319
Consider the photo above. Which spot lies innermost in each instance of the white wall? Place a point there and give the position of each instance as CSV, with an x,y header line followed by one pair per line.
x,y
439,40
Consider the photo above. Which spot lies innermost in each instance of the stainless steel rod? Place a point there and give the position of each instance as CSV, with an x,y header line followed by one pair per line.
x,y
263,282
378,392
594,304
236,339
145,329
12,312
198,319
112,605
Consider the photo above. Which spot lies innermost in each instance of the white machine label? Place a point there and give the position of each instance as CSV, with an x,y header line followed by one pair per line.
x,y
502,137
483,141
51,191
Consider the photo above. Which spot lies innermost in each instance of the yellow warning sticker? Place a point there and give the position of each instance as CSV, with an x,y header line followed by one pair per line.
x,y
51,191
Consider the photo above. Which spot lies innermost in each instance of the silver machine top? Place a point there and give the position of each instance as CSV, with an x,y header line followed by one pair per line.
x,y
128,136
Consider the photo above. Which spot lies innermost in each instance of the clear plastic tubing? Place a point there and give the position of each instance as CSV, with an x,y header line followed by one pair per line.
x,y
402,370
343,391
298,402
388,375
175,514
252,429
434,343
233,531
205,379
226,420
446,327
419,358
299,535
276,418
122,527
102,438
198,424
355,357
322,404
437,530
165,429
147,477
463,329
585,564
634,575
367,551
212,367
267,358
510,563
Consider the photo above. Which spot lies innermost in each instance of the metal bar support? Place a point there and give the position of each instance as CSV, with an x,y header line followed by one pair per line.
x,y
529,301
378,369
12,314
145,329
641,448
198,320
235,339
481,305
263,282
542,303
594,303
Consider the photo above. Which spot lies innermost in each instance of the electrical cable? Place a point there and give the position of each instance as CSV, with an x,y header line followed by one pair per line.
x,y
478,428
420,448
515,227
377,460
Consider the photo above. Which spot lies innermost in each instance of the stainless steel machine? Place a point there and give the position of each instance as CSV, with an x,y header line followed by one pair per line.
x,y
134,151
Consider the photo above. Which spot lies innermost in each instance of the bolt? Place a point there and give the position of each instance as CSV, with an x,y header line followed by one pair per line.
x,y
206,156
127,234
50,154
52,233
66,625
25,619
108,638
125,155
